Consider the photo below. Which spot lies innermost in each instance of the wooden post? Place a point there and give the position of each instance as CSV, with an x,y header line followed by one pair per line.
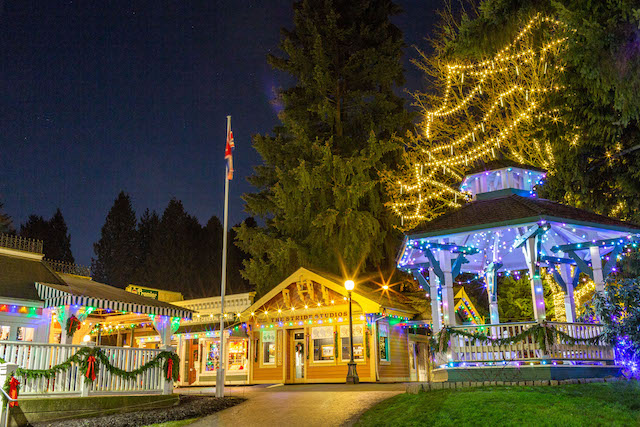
x,y
448,306
569,301
596,266
436,311
530,250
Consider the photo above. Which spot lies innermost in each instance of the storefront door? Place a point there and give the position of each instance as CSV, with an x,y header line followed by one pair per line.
x,y
298,358
193,360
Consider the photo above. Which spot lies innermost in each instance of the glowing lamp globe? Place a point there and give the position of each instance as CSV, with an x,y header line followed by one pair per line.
x,y
86,338
349,285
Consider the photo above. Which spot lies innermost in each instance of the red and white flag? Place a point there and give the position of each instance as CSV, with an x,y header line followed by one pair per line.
x,y
228,154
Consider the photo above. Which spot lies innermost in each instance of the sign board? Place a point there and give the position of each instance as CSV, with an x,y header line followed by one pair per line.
x,y
149,293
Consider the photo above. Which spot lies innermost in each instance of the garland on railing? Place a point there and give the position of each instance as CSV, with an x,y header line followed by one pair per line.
x,y
544,334
89,360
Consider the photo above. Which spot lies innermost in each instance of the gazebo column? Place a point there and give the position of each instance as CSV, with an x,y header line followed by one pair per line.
x,y
491,277
569,301
596,267
537,293
448,306
436,311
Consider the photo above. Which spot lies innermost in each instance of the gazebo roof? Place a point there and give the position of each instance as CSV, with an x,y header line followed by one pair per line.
x,y
500,164
512,210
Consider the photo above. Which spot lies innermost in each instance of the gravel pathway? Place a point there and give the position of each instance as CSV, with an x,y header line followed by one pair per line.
x,y
189,407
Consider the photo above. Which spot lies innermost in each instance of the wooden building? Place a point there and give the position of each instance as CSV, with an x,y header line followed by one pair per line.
x,y
299,333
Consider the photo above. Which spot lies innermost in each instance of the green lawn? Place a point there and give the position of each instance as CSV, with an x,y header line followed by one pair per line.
x,y
179,423
594,404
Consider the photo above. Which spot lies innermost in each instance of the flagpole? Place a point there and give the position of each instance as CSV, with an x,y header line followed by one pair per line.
x,y
223,284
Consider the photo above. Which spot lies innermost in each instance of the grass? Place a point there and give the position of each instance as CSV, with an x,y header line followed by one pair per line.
x,y
179,423
594,404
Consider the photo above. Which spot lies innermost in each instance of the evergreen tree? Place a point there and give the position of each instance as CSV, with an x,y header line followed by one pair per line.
x,y
318,190
147,229
6,225
117,250
175,261
53,233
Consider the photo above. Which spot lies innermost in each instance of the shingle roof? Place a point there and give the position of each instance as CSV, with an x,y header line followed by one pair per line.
x,y
512,208
18,275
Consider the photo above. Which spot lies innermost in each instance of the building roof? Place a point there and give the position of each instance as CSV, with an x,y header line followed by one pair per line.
x,y
84,291
515,209
18,275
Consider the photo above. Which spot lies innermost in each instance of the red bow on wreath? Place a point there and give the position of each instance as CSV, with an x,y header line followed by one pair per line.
x,y
91,368
13,390
169,369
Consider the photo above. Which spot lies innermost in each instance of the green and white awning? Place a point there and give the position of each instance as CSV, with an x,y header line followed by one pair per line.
x,y
105,297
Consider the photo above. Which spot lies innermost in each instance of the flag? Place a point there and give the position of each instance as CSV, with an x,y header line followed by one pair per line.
x,y
228,154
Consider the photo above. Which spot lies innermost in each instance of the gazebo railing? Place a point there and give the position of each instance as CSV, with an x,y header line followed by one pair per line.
x,y
464,349
68,382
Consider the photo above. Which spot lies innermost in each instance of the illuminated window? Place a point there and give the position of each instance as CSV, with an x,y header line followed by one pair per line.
x,y
358,346
212,349
323,343
25,334
238,355
4,332
268,347
383,342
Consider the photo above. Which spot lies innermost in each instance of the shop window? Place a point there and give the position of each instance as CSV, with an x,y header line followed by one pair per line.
x,y
268,347
358,346
212,351
25,334
238,355
323,343
4,332
383,342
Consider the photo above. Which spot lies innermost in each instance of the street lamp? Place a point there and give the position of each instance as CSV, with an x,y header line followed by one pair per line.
x,y
352,374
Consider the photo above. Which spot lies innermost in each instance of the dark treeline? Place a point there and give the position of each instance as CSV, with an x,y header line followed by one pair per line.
x,y
172,251
53,233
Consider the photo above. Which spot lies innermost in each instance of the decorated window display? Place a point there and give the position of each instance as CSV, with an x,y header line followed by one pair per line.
x,y
4,332
212,352
323,343
383,342
25,334
358,342
268,347
238,355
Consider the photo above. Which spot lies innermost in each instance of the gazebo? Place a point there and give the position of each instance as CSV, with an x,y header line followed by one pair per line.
x,y
505,229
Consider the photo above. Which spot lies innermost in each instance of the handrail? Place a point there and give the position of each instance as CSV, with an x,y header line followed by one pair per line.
x,y
524,323
6,411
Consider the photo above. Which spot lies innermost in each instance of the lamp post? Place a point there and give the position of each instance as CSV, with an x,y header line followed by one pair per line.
x,y
352,374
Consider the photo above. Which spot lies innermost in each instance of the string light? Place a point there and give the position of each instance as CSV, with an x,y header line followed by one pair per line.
x,y
486,108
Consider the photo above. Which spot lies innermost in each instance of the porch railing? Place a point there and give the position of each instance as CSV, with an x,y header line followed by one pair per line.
x,y
70,381
464,349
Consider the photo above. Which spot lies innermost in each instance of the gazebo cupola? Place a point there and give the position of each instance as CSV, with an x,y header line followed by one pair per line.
x,y
502,179
505,229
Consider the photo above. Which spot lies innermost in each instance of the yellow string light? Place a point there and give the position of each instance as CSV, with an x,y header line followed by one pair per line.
x,y
486,108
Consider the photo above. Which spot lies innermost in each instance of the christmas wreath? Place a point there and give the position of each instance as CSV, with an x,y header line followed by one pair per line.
x,y
73,324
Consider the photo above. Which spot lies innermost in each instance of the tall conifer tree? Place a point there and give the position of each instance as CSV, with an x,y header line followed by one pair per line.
x,y
318,190
53,233
117,250
6,225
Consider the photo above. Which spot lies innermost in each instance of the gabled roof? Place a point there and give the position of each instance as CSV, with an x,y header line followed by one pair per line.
x,y
515,209
84,291
500,164
363,294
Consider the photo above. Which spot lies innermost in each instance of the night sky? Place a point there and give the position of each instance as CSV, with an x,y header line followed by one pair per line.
x,y
103,96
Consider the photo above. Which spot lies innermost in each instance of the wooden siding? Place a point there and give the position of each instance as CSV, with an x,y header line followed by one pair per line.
x,y
398,367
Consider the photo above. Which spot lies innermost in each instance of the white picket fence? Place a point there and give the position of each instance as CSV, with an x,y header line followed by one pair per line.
x,y
464,349
71,381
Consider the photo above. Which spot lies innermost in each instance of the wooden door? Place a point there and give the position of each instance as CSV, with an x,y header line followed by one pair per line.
x,y
193,354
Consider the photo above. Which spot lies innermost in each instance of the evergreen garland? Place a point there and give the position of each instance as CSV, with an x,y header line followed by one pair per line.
x,y
81,358
544,334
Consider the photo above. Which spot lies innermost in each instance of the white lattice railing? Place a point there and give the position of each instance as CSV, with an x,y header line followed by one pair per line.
x,y
465,349
70,381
